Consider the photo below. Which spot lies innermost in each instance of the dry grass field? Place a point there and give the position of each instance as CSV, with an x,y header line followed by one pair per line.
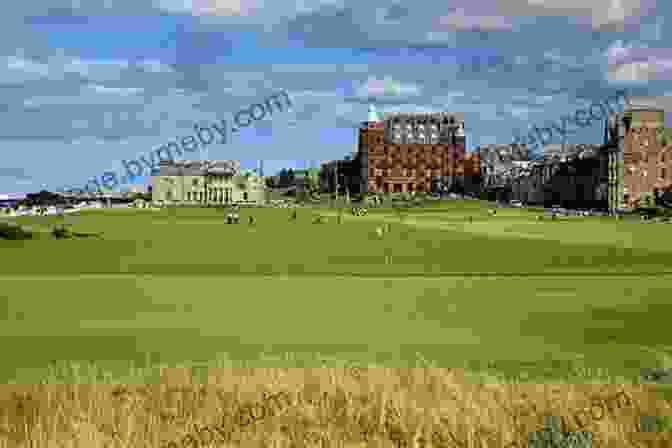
x,y
322,407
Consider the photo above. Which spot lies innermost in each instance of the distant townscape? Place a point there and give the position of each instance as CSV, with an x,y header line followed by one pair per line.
x,y
409,154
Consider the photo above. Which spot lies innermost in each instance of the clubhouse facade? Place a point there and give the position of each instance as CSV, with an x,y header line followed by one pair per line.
x,y
215,182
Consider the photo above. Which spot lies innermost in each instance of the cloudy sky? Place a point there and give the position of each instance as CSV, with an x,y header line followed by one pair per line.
x,y
89,83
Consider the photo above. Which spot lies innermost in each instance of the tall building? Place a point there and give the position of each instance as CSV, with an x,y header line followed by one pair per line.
x,y
641,162
414,153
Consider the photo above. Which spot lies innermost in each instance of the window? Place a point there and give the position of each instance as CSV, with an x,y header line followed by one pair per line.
x,y
662,157
245,196
662,173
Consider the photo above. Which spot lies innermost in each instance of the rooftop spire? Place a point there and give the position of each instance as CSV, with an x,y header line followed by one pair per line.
x,y
373,116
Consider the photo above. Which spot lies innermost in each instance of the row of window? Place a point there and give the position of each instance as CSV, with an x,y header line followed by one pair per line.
x,y
412,150
662,158
662,173
373,172
215,195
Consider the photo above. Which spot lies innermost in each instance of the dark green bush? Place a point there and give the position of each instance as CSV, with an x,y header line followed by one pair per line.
x,y
59,231
12,231
654,212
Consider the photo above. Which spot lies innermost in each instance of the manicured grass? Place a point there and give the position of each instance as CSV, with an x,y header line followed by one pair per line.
x,y
184,286
548,322
564,302
197,242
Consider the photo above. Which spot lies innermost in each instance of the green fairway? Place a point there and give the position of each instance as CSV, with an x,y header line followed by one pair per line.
x,y
178,287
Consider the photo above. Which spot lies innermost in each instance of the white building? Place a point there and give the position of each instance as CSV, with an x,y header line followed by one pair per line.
x,y
207,182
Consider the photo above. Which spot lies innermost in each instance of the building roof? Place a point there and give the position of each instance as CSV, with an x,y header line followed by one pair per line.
x,y
650,103
459,116
199,168
13,196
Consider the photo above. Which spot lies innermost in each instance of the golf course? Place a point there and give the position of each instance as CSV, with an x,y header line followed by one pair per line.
x,y
448,285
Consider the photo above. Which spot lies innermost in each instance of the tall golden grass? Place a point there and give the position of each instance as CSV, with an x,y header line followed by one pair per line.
x,y
329,406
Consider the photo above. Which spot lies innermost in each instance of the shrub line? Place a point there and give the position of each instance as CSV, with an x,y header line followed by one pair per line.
x,y
569,274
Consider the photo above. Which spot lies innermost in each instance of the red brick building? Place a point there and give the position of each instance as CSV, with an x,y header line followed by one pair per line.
x,y
647,157
415,153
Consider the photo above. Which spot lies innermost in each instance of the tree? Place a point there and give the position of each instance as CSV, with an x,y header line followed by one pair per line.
x,y
290,175
646,200
142,196
269,182
657,197
664,136
283,178
311,185
44,197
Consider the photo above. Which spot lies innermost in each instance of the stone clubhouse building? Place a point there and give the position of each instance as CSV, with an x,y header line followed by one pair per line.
x,y
215,182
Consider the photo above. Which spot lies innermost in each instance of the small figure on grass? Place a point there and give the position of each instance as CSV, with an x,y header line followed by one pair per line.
x,y
250,220
471,219
379,232
293,217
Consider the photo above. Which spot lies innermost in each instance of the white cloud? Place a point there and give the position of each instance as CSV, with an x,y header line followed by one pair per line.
x,y
632,72
27,66
217,8
460,20
86,67
115,90
386,87
155,66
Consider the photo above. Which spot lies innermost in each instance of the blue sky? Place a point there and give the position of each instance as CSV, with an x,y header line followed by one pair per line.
x,y
86,85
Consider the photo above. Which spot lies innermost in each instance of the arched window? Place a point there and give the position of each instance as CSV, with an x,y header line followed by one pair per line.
x,y
245,196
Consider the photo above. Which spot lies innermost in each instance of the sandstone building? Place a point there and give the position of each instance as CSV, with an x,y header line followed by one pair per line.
x,y
206,182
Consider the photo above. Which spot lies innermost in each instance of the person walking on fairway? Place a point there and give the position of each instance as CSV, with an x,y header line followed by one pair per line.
x,y
293,218
250,220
